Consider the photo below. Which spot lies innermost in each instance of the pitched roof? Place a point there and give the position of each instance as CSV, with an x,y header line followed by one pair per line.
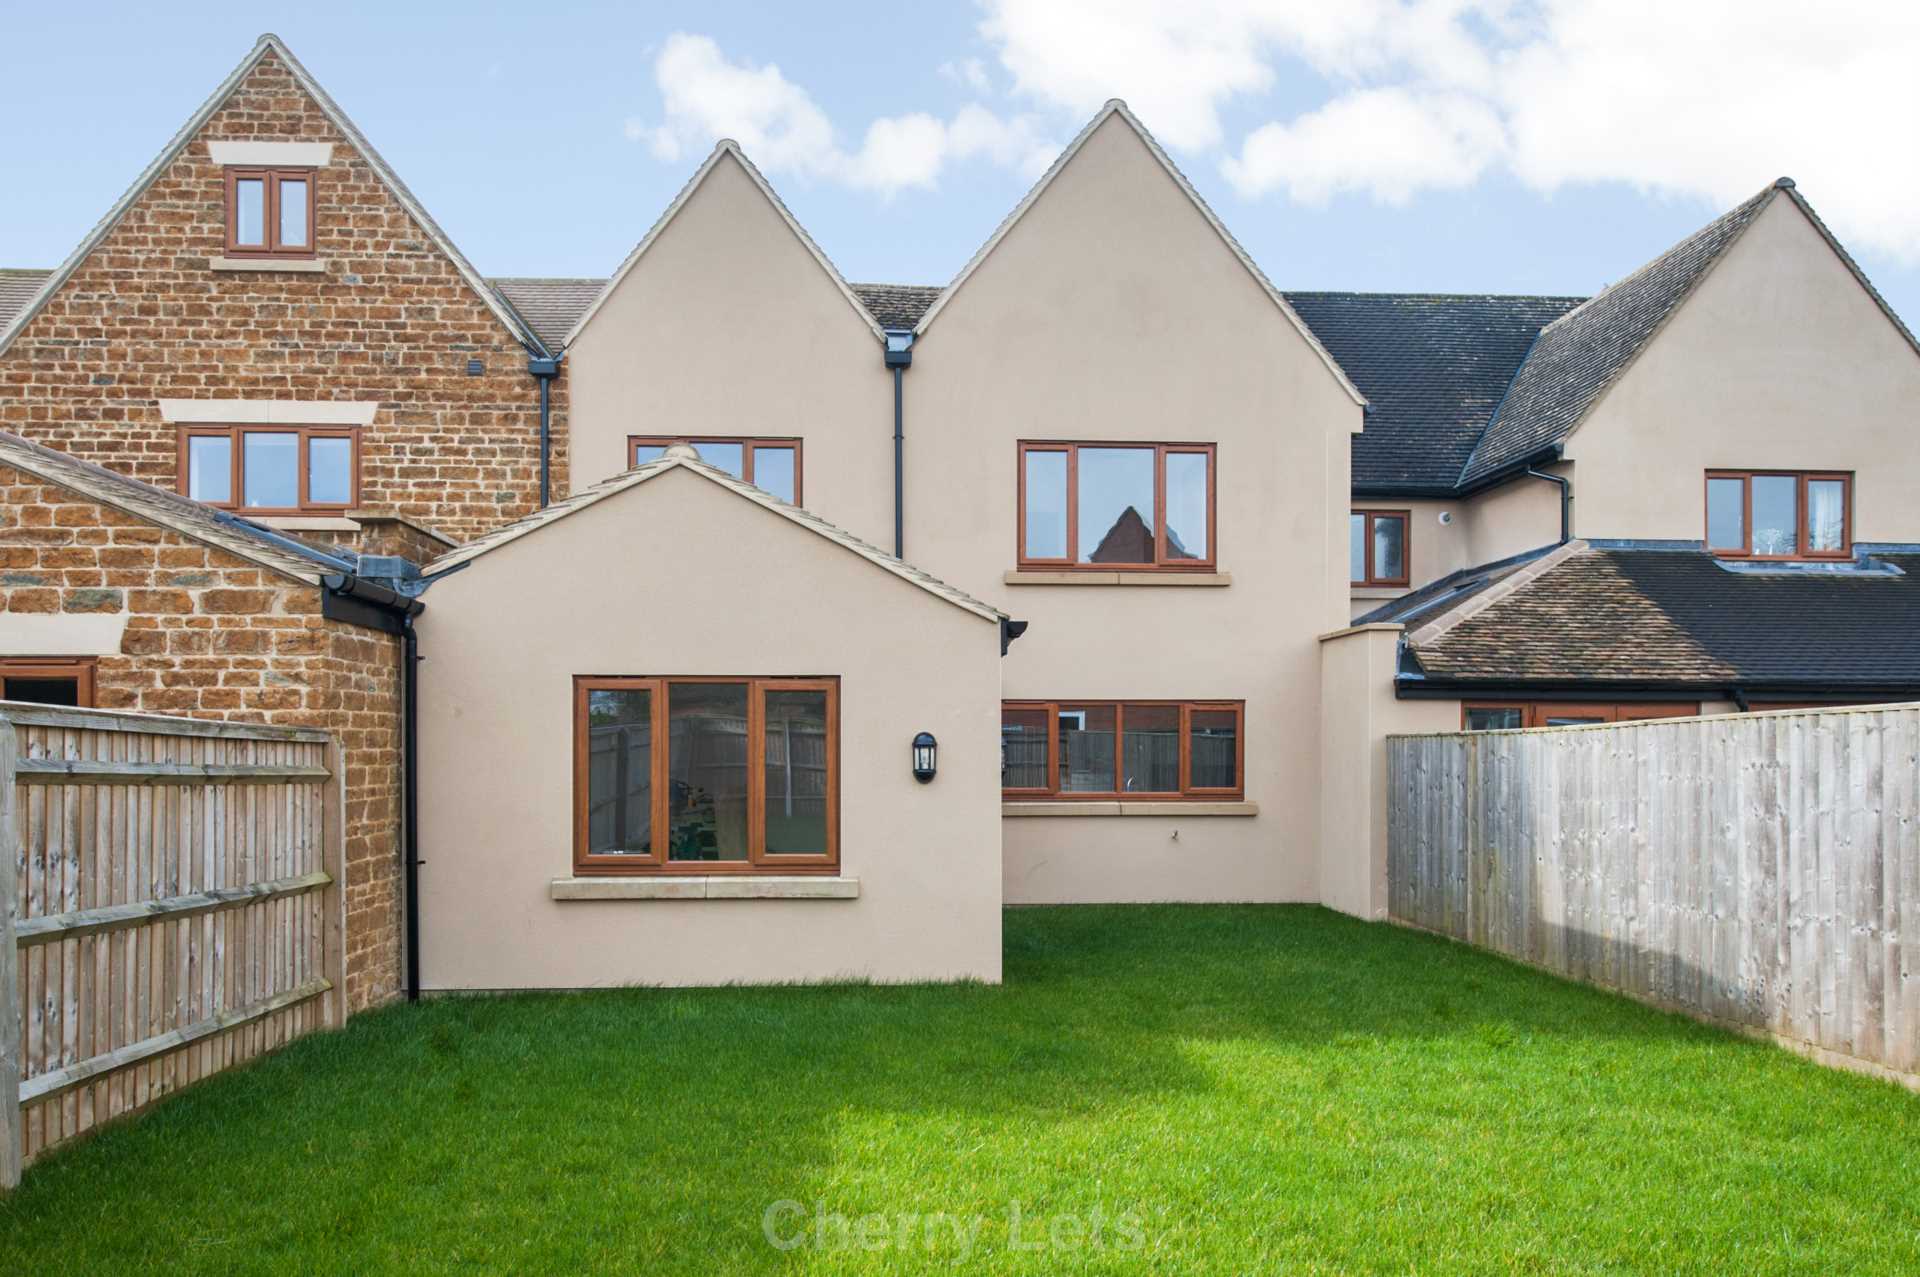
x,y
598,492
17,288
1642,615
285,555
897,306
269,44
1115,107
551,307
725,148
1433,368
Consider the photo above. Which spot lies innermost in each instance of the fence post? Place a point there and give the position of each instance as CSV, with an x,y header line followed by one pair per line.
x,y
10,1130
333,902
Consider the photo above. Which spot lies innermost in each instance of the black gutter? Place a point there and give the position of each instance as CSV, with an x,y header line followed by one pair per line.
x,y
348,598
1566,500
898,355
544,369
1010,630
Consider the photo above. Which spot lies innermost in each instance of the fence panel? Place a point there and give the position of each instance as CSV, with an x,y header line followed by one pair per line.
x,y
174,908
1759,870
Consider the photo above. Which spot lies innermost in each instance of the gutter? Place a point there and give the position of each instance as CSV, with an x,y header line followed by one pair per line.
x,y
1566,500
898,355
348,597
544,369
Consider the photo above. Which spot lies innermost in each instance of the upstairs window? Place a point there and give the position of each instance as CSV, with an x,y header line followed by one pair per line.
x,y
772,465
1121,749
269,212
272,469
1108,506
1377,547
1780,514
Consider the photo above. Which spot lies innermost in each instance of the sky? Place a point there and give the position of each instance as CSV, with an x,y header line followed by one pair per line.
x,y
1516,146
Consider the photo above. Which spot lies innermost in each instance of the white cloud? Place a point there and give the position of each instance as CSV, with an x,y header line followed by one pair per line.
x,y
1414,141
705,96
968,73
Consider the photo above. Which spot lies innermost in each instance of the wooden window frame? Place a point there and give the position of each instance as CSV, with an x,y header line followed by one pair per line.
x,y
1370,580
1188,791
78,668
271,178
1801,538
758,860
748,444
1161,561
1536,713
236,437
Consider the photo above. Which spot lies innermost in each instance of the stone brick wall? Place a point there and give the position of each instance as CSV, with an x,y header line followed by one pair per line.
x,y
211,635
390,319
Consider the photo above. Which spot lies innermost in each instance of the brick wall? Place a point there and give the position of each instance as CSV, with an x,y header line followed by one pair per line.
x,y
391,319
211,635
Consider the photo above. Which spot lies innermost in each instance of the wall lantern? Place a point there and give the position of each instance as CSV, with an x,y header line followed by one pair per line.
x,y
925,752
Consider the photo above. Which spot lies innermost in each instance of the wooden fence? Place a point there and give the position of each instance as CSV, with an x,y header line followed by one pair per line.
x,y
175,908
1758,870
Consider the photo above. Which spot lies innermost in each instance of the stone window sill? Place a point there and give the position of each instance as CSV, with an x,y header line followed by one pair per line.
x,y
706,887
305,522
1130,809
1381,591
1119,578
295,265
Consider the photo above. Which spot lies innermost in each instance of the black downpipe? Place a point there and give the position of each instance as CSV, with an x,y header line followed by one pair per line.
x,y
1739,695
544,370
899,357
410,797
1566,501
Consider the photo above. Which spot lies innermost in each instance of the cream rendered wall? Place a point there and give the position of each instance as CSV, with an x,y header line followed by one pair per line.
x,y
1517,516
748,593
727,325
1113,311
1779,359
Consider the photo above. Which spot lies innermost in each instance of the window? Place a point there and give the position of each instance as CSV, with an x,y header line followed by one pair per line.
x,y
269,212
1780,514
706,775
1114,749
1496,716
1126,506
772,465
1377,547
272,469
47,680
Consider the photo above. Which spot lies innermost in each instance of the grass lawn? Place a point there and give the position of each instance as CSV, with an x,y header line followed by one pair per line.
x,y
1231,1089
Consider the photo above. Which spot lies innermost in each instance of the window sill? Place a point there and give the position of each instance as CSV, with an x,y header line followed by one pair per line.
x,y
1119,578
1381,591
297,265
303,522
1130,809
706,887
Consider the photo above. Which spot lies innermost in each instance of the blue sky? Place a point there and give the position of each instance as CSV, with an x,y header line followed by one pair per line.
x,y
1444,145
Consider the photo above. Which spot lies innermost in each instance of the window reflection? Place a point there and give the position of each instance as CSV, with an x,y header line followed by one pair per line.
x,y
1117,513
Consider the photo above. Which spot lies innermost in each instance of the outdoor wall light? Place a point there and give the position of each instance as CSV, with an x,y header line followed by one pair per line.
x,y
925,754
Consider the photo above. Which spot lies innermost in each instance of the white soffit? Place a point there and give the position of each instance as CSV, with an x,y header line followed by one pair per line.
x,y
272,154
267,412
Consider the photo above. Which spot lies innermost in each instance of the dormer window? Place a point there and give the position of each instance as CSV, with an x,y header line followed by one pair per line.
x,y
1780,514
269,212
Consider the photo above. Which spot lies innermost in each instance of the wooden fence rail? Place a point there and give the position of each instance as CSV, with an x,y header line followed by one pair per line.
x,y
1758,870
170,905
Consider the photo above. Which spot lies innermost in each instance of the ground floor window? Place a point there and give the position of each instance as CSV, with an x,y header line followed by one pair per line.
x,y
1112,749
47,680
1493,716
711,775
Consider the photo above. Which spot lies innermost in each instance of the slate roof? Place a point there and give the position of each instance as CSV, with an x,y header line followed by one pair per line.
x,y
897,305
551,307
1679,616
17,288
1433,368
277,552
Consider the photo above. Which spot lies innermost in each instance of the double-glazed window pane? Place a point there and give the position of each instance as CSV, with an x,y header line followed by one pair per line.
x,y
706,771
293,213
1389,549
1726,514
645,452
796,772
1216,749
1826,516
730,457
1150,749
1023,749
250,212
1086,749
210,468
1496,718
1046,497
773,471
329,470
620,772
1776,515
1187,491
270,470
1357,548
1117,512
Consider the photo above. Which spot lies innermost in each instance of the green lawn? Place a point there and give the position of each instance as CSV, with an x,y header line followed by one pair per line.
x,y
1233,1089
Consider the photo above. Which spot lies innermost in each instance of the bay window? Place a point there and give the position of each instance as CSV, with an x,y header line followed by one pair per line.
x,y
706,775
772,465
1121,749
1107,506
1780,514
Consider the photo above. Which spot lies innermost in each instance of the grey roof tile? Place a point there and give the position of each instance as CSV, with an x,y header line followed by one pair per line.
x,y
897,305
550,307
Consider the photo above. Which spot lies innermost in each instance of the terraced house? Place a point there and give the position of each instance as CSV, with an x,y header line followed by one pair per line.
x,y
1099,573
